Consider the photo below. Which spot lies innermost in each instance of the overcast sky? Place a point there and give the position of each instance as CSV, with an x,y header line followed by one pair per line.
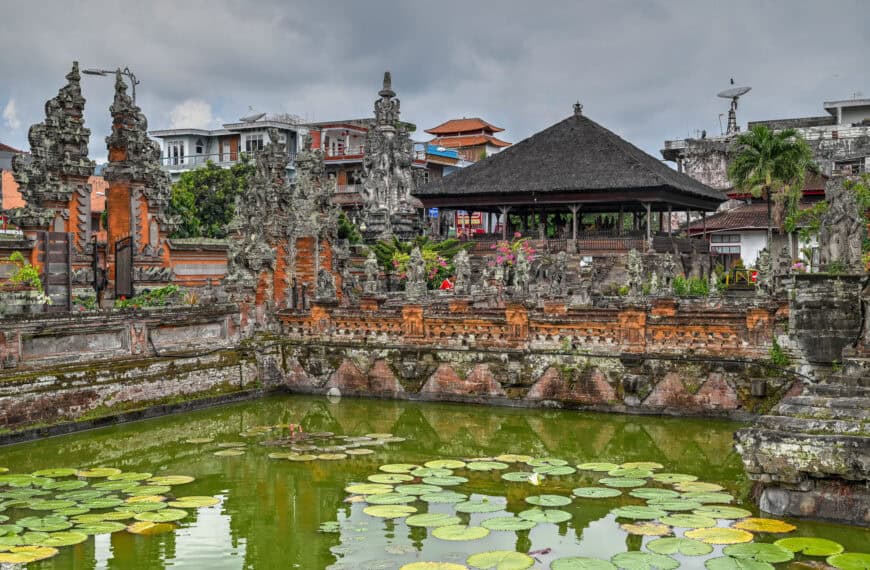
x,y
647,69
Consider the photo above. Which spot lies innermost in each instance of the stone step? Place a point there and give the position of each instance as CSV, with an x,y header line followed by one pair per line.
x,y
836,391
813,426
822,412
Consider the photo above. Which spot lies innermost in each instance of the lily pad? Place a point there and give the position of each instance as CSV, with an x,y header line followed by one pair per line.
x,y
98,472
102,503
595,493
134,508
729,563
55,473
150,528
723,512
646,528
650,465
65,485
555,470
332,456
700,486
764,525
671,478
682,520
54,539
359,451
546,461
760,552
516,476
671,505
811,546
390,499
548,500
644,561
27,554
460,532
555,516
398,467
132,476
701,497
163,515
199,440
368,489
719,535
113,485
601,466
82,495
501,560
513,458
171,480
637,512
622,482
448,481
44,524
41,505
378,435
9,529
194,501
147,490
104,527
445,464
481,506
684,546
229,452
302,457
631,473
850,561
432,520
654,493
433,566
230,444
390,478
19,480
581,563
71,511
430,472
417,489
508,523
390,511
487,465
443,497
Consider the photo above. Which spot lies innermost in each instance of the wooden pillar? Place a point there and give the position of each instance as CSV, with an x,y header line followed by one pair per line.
x,y
574,209
505,221
648,220
621,220
670,221
704,223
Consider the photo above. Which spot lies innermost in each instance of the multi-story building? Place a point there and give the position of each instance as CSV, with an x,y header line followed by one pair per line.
x,y
473,138
185,148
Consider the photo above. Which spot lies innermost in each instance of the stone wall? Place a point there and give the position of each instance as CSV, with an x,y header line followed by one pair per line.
x,y
825,315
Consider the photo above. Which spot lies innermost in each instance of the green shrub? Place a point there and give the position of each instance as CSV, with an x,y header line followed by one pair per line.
x,y
623,291
153,298
681,286
777,356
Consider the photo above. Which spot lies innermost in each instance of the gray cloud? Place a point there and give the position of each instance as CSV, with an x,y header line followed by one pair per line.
x,y
648,69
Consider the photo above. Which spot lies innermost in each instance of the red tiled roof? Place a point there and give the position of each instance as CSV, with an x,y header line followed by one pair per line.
x,y
468,140
744,217
7,148
11,197
474,124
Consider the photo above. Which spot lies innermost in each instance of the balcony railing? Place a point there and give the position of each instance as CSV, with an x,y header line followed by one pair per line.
x,y
356,152
197,160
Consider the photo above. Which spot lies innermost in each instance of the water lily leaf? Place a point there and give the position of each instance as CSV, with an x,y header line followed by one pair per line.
x,y
481,506
98,472
650,465
55,472
729,563
689,521
684,546
545,516
631,473
360,451
850,561
104,527
811,546
549,500
10,529
669,505
555,470
163,515
546,461
83,495
444,497
102,503
654,493
508,523
448,481
671,478
54,539
764,525
23,493
229,452
595,493
646,528
597,466
141,490
638,512
429,472
487,465
722,512
332,456
368,489
44,524
390,478
65,485
199,440
134,508
27,554
150,528
378,435
501,560
171,480
390,499
581,563
417,489
230,444
622,482
445,464
302,457
460,532
282,455
193,502
432,520
114,485
700,486
701,497
433,566
330,527
390,511
43,505
513,458
759,551
100,517
132,476
19,480
644,561
398,467
11,540
718,535
516,476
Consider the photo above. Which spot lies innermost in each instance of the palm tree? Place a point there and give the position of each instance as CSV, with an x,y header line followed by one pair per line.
x,y
773,166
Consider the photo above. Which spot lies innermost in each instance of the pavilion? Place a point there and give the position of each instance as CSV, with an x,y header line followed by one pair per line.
x,y
579,167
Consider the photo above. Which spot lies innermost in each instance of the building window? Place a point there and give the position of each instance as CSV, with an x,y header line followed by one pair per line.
x,y
254,143
175,152
725,238
854,166
200,146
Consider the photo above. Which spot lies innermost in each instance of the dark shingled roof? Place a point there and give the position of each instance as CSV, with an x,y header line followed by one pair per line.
x,y
575,155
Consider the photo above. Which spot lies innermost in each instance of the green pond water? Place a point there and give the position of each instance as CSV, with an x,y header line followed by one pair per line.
x,y
271,510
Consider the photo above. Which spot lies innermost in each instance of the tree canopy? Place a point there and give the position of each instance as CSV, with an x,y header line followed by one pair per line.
x,y
204,198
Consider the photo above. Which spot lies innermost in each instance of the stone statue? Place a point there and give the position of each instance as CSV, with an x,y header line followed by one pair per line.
x,y
841,228
764,279
415,273
713,285
696,266
462,266
557,276
635,273
522,273
325,286
348,285
370,287
669,272
654,284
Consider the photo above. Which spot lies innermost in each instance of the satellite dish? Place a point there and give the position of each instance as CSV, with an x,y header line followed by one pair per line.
x,y
733,92
252,118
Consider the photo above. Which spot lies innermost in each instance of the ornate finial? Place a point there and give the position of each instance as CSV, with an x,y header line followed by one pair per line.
x,y
73,76
120,86
578,108
387,91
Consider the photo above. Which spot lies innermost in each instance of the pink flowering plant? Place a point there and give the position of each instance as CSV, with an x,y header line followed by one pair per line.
x,y
506,251
393,256
799,267
437,268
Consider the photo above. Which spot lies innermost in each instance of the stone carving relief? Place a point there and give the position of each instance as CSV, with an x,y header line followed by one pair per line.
x,y
764,280
462,266
635,273
371,269
841,228
415,286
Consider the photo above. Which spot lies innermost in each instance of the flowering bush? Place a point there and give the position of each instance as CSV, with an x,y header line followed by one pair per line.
x,y
506,251
437,268
799,267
